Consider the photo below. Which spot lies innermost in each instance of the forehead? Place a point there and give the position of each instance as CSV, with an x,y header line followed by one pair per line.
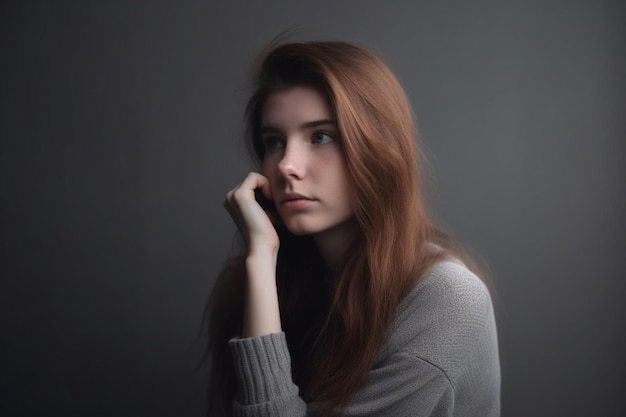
x,y
294,106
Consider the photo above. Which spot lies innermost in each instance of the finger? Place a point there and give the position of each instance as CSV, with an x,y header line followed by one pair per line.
x,y
260,182
255,180
266,189
242,197
229,194
231,206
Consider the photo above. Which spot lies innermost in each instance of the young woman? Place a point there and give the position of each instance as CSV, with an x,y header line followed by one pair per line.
x,y
347,299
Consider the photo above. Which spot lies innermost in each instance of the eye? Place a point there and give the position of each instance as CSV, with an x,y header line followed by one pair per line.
x,y
321,138
273,142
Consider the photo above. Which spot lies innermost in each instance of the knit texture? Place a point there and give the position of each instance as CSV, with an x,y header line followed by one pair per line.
x,y
441,358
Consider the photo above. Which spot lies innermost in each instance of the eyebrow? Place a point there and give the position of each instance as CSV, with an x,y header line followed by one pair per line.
x,y
307,125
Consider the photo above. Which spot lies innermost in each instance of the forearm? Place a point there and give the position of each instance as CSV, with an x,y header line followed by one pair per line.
x,y
261,311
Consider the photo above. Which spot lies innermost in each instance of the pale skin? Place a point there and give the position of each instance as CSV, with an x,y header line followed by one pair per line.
x,y
305,173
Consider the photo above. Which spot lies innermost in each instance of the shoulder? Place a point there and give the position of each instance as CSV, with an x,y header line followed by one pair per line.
x,y
451,292
446,320
444,339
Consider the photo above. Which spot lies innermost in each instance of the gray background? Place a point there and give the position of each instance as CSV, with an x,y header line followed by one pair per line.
x,y
120,126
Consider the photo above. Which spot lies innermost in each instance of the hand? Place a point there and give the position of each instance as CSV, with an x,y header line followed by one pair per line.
x,y
254,223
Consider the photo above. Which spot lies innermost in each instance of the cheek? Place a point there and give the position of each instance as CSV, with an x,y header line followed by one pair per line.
x,y
337,182
266,167
346,188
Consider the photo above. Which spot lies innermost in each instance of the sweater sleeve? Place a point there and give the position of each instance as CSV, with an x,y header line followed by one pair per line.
x,y
265,385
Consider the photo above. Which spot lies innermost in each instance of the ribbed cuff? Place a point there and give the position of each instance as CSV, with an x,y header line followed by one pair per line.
x,y
263,368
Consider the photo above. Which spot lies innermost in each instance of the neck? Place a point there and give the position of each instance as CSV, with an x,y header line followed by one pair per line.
x,y
333,243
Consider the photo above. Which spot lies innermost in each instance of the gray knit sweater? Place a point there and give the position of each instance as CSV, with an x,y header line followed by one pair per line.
x,y
441,358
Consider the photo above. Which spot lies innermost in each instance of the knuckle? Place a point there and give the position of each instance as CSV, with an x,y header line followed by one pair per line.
x,y
237,194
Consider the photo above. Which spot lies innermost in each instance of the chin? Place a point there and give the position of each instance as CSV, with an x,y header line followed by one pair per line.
x,y
301,231
302,228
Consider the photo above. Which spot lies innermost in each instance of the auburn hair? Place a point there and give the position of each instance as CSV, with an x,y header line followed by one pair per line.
x,y
335,321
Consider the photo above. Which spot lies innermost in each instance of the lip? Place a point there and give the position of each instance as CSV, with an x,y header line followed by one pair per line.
x,y
295,201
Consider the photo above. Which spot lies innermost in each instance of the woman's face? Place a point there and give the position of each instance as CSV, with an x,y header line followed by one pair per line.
x,y
304,162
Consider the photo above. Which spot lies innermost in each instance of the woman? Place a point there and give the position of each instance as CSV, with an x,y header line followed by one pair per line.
x,y
347,299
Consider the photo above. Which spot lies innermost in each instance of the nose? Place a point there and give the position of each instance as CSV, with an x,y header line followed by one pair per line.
x,y
292,165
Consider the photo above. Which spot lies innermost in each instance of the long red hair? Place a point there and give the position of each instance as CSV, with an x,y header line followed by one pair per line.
x,y
335,321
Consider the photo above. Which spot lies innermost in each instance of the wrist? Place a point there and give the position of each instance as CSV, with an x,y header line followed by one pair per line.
x,y
261,311
262,253
262,263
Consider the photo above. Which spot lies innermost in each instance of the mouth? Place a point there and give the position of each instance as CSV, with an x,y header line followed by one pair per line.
x,y
296,201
